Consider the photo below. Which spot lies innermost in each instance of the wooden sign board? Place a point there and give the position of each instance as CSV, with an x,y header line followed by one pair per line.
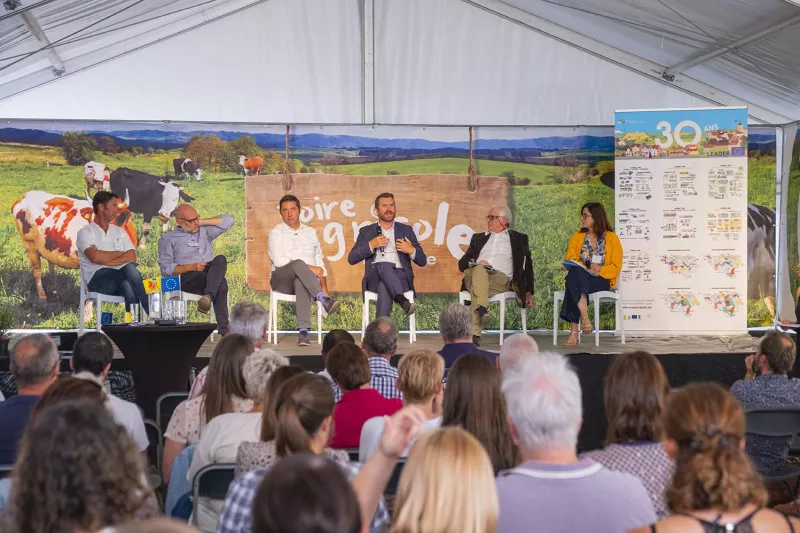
x,y
441,209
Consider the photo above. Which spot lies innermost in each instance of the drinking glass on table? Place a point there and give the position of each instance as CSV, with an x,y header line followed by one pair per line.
x,y
179,310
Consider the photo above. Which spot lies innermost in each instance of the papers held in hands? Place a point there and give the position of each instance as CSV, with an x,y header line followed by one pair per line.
x,y
475,263
572,264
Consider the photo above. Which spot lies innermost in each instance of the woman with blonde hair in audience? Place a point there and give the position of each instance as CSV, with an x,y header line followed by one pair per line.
x,y
224,392
77,471
715,487
474,401
447,486
634,394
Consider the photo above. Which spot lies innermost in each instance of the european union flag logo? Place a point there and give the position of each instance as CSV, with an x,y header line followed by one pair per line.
x,y
737,150
171,283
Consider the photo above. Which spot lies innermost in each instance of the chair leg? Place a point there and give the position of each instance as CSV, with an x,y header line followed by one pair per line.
x,y
82,319
364,318
596,321
319,323
273,305
502,319
524,316
99,302
555,320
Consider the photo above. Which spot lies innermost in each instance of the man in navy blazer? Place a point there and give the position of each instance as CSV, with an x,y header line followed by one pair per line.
x,y
387,249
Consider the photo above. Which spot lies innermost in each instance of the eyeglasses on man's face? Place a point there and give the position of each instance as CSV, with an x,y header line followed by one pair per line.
x,y
189,220
489,218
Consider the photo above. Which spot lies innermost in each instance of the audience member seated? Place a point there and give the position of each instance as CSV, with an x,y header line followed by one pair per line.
x,y
766,386
447,486
634,395
248,319
303,493
715,486
91,359
380,344
304,414
77,471
419,378
224,392
34,365
473,401
220,439
553,489
515,348
360,402
455,326
331,339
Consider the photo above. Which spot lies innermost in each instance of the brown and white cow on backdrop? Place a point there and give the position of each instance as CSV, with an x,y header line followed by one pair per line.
x,y
49,226
96,177
252,165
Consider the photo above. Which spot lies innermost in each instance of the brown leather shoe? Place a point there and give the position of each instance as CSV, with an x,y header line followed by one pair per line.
x,y
204,304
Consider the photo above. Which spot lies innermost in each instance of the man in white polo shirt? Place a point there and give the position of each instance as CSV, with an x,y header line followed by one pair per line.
x,y
107,255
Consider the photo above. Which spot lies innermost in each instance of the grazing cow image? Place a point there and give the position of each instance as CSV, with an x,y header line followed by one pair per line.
x,y
148,195
96,177
185,167
252,165
49,226
760,251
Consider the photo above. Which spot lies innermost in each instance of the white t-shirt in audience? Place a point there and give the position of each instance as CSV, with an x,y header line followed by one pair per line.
x,y
129,416
371,435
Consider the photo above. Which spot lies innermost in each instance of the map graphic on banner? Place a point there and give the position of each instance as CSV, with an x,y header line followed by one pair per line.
x,y
681,207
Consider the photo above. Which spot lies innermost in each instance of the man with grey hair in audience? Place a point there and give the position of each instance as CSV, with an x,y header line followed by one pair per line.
x,y
543,395
248,319
515,349
34,365
380,344
455,326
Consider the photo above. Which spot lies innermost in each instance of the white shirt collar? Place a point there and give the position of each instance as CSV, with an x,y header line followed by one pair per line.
x,y
288,227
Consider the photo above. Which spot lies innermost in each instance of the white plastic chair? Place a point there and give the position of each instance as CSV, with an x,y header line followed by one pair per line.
x,y
596,299
99,299
191,297
370,296
464,297
272,328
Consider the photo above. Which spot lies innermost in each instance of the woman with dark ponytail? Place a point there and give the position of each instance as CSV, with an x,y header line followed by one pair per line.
x,y
715,487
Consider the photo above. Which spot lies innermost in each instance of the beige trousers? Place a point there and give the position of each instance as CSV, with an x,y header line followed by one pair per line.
x,y
483,284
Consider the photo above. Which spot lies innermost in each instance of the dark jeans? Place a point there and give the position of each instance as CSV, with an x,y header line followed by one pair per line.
x,y
387,281
125,282
578,283
211,281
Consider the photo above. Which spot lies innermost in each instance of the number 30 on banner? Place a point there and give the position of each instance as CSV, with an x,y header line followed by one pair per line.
x,y
665,128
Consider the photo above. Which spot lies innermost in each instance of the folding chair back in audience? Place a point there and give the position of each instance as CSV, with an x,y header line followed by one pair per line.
x,y
352,453
153,443
165,406
391,486
777,423
5,471
212,482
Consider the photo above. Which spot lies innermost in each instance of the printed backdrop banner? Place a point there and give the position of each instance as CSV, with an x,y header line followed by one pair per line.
x,y
681,208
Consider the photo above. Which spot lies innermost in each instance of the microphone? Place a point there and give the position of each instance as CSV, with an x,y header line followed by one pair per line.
x,y
380,233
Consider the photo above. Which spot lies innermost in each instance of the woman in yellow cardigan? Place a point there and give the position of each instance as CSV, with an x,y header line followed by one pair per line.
x,y
596,247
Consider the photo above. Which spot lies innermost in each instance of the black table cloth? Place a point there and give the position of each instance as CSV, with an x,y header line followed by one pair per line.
x,y
159,357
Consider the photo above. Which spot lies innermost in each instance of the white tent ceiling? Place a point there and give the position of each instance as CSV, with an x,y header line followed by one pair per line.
x,y
540,62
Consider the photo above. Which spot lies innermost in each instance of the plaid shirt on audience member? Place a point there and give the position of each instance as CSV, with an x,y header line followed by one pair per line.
x,y
237,513
384,378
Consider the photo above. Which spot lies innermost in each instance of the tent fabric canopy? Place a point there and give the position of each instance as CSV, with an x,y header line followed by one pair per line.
x,y
537,62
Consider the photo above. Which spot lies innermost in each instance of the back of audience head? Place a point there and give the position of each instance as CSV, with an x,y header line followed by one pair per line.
x,y
305,493
455,323
69,388
92,353
380,338
419,377
154,525
304,413
333,338
257,369
544,405
634,393
705,431
225,378
250,320
78,470
514,349
779,352
268,418
34,363
474,401
348,366
447,486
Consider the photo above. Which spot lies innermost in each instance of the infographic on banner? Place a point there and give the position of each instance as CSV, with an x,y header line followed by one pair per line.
x,y
681,208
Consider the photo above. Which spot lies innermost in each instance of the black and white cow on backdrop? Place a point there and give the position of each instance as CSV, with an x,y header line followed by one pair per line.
x,y
147,195
185,167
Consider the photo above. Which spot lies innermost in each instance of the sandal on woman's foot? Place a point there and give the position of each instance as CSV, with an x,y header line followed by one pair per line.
x,y
586,325
572,340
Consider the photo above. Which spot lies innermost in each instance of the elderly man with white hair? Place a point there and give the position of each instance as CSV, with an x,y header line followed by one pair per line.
x,y
515,349
496,261
543,395
455,326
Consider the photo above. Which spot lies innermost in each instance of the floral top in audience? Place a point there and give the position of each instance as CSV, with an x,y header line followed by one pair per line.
x,y
647,461
237,513
252,455
186,423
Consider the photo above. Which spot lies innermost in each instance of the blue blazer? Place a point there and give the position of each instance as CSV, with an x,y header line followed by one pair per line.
x,y
362,252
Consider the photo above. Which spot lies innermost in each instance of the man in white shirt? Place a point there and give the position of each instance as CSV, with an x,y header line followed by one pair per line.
x,y
107,255
91,359
497,261
297,266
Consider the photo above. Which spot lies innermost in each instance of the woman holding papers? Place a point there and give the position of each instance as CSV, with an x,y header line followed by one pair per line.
x,y
594,259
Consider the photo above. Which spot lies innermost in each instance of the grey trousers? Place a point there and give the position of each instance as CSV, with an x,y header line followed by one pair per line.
x,y
296,278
